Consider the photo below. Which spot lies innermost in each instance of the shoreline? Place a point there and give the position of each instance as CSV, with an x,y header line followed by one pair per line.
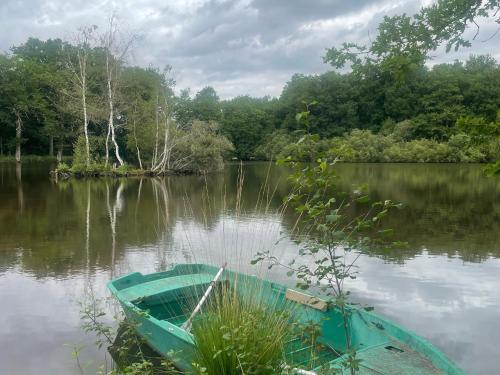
x,y
65,175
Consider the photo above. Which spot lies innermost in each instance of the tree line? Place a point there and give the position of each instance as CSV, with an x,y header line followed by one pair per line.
x,y
81,98
435,113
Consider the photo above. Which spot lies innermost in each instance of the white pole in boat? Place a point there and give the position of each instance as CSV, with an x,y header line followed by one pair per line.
x,y
187,325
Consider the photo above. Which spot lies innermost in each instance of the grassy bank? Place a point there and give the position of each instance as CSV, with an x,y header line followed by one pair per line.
x,y
64,171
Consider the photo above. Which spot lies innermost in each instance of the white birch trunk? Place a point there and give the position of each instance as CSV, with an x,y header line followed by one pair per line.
x,y
107,146
166,151
136,143
155,153
19,128
138,155
163,163
60,152
111,126
84,107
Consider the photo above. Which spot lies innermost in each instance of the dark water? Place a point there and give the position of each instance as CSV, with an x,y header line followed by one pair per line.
x,y
61,241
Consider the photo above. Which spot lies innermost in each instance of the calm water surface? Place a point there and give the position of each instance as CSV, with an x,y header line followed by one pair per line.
x,y
60,242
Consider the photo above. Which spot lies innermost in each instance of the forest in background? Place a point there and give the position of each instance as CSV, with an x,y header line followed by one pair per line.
x,y
82,98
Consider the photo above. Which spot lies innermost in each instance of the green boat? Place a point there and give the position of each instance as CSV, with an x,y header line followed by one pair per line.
x,y
162,305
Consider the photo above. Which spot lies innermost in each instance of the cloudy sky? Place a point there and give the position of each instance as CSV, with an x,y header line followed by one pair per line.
x,y
237,46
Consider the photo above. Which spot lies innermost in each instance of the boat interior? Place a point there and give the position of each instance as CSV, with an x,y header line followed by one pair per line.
x,y
176,305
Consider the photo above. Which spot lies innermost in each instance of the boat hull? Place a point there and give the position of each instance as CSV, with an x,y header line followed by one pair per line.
x,y
383,346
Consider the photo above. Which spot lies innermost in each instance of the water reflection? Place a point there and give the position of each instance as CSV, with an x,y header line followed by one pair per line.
x,y
450,209
450,302
60,239
20,195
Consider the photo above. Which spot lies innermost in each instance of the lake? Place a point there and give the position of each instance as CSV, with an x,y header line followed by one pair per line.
x,y
61,242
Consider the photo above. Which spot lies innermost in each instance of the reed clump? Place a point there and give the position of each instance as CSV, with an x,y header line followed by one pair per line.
x,y
240,336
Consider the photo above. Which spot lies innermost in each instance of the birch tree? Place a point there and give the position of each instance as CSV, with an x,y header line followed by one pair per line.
x,y
78,64
116,48
166,128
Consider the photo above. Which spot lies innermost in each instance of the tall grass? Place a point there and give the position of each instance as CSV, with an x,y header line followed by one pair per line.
x,y
241,335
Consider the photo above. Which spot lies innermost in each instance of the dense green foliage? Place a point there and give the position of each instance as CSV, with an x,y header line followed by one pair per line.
x,y
365,146
409,107
448,104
